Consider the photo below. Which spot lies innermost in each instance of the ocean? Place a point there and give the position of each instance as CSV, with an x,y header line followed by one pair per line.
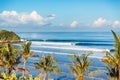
x,y
64,44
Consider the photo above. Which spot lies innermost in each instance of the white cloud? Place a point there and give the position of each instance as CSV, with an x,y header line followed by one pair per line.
x,y
74,24
12,18
99,22
116,23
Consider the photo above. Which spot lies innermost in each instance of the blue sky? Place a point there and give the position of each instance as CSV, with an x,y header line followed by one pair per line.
x,y
59,15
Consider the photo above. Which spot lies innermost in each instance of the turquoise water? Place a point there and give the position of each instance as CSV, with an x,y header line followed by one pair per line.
x,y
67,43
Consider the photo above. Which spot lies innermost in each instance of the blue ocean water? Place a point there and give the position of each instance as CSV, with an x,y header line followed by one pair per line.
x,y
68,43
90,39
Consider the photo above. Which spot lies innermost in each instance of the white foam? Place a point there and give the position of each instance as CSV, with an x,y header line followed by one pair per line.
x,y
50,43
49,52
73,48
96,42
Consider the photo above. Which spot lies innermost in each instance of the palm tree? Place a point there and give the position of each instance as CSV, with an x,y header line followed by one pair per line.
x,y
26,53
112,67
47,64
1,58
117,51
112,73
80,65
114,60
9,57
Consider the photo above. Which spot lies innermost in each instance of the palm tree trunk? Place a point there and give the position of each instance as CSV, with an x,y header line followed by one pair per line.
x,y
24,66
45,76
81,77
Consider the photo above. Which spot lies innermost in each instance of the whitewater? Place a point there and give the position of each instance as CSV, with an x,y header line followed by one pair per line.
x,y
65,44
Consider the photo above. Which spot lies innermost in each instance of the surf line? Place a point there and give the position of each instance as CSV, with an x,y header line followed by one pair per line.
x,y
60,53
74,48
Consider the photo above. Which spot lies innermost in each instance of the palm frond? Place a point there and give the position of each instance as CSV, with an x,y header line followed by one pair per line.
x,y
56,71
115,37
74,70
80,64
47,64
93,73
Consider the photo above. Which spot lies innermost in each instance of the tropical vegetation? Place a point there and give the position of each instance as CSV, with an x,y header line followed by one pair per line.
x,y
47,64
26,53
11,57
113,60
80,65
8,36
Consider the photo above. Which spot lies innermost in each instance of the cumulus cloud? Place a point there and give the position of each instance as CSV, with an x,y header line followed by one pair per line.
x,y
116,23
99,22
74,24
12,18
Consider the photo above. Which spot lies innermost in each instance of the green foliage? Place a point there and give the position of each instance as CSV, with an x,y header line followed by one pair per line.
x,y
26,47
10,77
38,77
13,76
10,36
110,60
113,60
9,57
30,77
26,50
93,73
117,47
47,64
26,53
23,78
112,73
80,64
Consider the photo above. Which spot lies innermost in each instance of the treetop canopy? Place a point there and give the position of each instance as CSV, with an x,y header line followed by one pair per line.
x,y
8,36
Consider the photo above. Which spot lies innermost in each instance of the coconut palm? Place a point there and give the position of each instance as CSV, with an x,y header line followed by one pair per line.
x,y
112,67
7,37
112,73
117,51
1,58
114,60
9,57
8,77
26,53
47,64
80,65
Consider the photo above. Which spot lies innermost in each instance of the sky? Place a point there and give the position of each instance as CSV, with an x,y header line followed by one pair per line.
x,y
59,15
